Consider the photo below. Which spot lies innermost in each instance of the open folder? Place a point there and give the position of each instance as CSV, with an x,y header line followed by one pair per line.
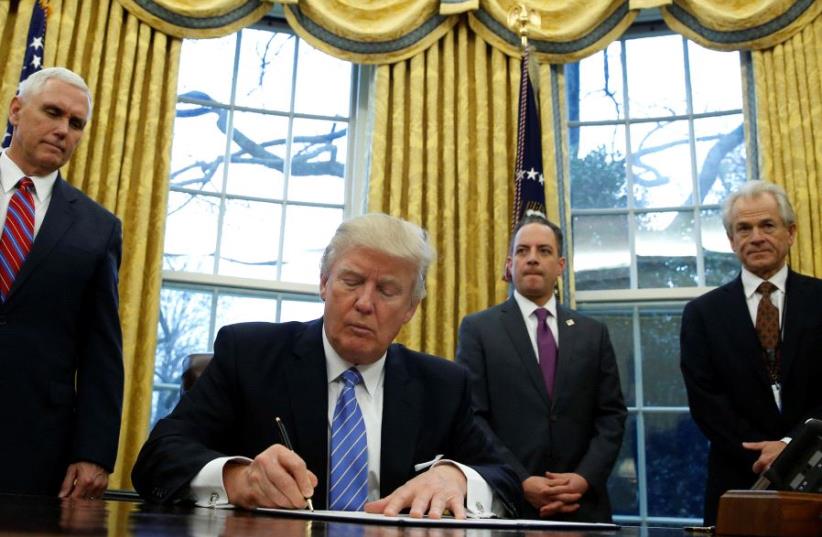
x,y
405,520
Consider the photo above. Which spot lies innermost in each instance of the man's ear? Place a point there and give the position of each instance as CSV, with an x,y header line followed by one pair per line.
x,y
14,110
323,286
506,275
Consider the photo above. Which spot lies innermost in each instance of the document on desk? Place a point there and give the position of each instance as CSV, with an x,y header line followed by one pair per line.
x,y
405,520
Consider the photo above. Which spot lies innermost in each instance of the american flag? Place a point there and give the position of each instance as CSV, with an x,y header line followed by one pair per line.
x,y
33,59
529,182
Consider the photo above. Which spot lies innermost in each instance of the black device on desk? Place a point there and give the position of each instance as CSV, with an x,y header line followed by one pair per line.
x,y
799,467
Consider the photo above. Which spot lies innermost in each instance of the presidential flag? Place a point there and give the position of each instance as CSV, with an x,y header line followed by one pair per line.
x,y
529,182
33,58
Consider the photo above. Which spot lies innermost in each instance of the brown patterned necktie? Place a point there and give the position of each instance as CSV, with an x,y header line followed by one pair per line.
x,y
767,328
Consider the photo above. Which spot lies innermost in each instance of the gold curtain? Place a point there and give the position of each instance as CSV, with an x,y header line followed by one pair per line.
x,y
123,161
788,79
739,24
442,156
197,18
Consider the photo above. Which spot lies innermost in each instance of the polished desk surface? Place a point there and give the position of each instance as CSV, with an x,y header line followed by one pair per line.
x,y
30,515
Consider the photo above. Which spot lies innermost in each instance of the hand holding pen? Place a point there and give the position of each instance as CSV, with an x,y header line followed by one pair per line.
x,y
287,443
277,477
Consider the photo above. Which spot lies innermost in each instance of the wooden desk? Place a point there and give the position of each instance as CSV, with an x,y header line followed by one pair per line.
x,y
30,515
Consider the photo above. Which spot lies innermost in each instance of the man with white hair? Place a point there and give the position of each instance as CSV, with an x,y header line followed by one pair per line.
x,y
374,425
61,389
751,350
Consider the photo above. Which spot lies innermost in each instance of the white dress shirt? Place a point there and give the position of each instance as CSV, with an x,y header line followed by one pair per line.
x,y
528,310
208,490
10,175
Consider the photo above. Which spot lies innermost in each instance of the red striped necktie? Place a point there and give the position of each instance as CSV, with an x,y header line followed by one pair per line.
x,y
18,234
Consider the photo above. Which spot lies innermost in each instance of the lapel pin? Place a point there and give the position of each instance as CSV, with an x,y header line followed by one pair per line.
x,y
569,322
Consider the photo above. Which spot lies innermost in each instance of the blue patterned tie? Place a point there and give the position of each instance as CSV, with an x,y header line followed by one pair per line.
x,y
349,450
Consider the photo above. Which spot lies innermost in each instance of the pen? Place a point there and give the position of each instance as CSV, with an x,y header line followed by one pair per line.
x,y
287,442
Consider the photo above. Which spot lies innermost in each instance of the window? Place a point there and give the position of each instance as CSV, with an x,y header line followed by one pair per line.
x,y
260,179
656,142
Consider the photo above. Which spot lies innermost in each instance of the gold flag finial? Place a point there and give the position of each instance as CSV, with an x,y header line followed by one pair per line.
x,y
520,18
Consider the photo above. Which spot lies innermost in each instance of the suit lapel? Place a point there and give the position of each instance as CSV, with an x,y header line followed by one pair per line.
x,y
59,218
308,388
567,341
792,309
401,420
514,325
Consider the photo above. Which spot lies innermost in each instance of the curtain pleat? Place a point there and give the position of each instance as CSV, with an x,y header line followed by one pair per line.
x,y
789,116
122,162
442,157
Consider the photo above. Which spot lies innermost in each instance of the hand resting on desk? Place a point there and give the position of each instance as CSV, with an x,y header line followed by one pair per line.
x,y
277,477
430,493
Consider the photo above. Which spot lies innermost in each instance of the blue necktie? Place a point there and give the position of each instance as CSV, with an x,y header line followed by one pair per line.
x,y
349,450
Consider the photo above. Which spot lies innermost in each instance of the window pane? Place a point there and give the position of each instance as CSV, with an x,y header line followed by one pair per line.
x,y
206,66
600,86
198,151
323,83
720,262
265,71
656,76
244,307
662,383
300,310
665,250
661,164
720,156
183,329
250,239
676,458
307,232
598,174
620,323
318,161
257,155
191,232
716,79
623,484
602,257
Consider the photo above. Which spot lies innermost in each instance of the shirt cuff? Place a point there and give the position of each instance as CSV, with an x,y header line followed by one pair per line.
x,y
480,500
207,488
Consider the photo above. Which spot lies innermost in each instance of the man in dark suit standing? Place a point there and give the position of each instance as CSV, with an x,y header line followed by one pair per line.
x,y
61,389
407,412
751,350
545,381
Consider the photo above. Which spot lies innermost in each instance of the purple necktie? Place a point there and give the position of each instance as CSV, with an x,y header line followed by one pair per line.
x,y
547,346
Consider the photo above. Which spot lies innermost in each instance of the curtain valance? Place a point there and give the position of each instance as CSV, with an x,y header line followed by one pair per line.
x,y
739,24
197,18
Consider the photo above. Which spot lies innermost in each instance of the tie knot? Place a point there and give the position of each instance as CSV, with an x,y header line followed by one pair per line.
x,y
766,288
541,314
25,184
351,377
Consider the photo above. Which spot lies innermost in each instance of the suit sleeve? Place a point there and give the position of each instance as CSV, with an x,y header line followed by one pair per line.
x,y
475,447
711,407
195,433
609,419
471,354
100,362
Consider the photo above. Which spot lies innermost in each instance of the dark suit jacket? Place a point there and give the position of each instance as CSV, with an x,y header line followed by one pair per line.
x,y
263,370
61,388
580,430
728,387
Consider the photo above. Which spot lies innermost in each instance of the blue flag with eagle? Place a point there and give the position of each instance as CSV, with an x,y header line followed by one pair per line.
x,y
529,182
33,57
